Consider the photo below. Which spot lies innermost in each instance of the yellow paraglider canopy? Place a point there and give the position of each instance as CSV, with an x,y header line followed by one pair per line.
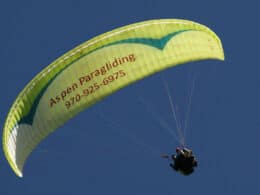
x,y
96,69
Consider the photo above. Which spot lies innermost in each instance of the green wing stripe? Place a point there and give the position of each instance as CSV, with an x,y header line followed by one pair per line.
x,y
156,43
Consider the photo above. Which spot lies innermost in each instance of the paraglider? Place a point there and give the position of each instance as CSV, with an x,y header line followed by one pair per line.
x,y
184,161
94,70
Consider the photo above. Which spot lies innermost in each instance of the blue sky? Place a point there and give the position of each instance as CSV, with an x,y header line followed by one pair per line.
x,y
114,147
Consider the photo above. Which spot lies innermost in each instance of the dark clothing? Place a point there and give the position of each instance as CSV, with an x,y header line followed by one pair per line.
x,y
184,161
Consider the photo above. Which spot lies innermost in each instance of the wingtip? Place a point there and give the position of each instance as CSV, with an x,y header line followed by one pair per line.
x,y
19,173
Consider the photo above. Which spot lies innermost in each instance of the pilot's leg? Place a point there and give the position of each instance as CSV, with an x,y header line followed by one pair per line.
x,y
174,167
